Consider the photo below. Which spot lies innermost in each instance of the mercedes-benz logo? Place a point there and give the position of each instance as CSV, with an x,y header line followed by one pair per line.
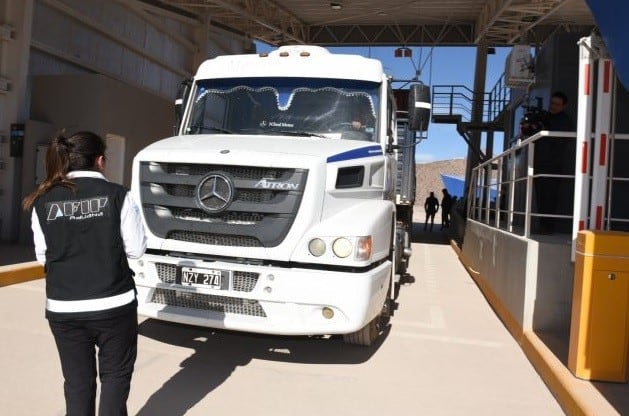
x,y
215,193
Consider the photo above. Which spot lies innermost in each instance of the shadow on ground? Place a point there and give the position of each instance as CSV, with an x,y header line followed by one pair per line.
x,y
218,353
436,236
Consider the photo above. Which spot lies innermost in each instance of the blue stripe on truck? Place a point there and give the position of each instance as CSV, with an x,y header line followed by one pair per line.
x,y
356,154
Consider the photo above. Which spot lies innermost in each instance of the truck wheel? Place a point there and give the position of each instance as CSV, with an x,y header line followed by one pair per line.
x,y
366,335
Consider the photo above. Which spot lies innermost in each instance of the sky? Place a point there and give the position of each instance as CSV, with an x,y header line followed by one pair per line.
x,y
445,66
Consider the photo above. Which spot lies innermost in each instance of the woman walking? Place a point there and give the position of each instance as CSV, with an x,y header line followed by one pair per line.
x,y
84,229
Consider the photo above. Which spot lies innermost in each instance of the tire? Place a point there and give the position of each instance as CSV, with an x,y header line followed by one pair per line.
x,y
366,335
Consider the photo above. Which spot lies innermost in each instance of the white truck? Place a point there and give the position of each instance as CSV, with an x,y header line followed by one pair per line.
x,y
273,208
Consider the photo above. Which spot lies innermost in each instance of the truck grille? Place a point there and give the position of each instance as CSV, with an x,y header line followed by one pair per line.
x,y
240,172
214,239
251,195
208,302
241,281
264,207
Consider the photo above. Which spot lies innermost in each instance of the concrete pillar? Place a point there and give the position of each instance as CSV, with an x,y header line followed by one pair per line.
x,y
489,151
480,73
14,56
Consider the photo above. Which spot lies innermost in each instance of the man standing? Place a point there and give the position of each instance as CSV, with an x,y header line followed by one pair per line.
x,y
558,120
446,206
553,157
431,206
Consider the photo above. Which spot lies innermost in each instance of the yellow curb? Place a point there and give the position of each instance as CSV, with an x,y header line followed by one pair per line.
x,y
576,397
20,273
455,247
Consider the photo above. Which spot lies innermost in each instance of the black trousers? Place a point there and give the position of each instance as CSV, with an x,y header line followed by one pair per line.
x,y
116,339
430,216
445,218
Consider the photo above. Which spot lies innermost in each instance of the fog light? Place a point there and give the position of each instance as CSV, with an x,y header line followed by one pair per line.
x,y
268,289
141,275
328,313
270,277
342,247
316,246
363,248
140,263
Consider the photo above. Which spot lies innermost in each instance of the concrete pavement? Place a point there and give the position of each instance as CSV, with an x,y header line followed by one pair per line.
x,y
445,353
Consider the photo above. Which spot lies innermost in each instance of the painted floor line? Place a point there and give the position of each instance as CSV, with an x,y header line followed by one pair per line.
x,y
448,340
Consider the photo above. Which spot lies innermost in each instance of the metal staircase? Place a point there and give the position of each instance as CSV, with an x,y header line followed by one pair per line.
x,y
452,104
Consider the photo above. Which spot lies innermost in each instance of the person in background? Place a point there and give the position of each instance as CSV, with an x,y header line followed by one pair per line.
x,y
558,119
431,206
446,206
553,156
84,229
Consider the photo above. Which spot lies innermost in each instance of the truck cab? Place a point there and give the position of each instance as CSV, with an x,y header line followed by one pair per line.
x,y
272,209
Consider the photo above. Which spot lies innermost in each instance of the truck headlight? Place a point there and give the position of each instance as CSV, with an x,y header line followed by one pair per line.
x,y
363,248
342,247
316,246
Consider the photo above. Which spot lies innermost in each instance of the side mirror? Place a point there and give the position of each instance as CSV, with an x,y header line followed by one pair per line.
x,y
419,107
180,102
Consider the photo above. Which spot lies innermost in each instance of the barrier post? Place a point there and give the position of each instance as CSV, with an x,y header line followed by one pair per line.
x,y
584,133
602,140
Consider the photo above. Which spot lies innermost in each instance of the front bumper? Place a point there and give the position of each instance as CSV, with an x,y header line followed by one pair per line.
x,y
262,299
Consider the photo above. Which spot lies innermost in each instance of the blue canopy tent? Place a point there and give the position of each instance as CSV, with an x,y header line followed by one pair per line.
x,y
456,186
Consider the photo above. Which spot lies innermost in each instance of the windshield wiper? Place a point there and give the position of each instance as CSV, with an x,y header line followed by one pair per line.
x,y
298,133
200,128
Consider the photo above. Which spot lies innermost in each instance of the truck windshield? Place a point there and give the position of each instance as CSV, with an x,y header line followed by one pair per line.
x,y
344,109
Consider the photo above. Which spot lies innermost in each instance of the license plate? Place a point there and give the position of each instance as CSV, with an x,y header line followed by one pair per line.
x,y
208,278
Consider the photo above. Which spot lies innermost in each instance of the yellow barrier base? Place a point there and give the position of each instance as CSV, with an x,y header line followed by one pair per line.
x,y
20,273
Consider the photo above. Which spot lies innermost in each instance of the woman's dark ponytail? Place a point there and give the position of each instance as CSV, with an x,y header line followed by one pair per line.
x,y
65,154
57,159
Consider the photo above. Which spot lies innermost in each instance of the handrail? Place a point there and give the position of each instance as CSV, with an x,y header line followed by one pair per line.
x,y
499,98
458,86
480,193
521,144
455,97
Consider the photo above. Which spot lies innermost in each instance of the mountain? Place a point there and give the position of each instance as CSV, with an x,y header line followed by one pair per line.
x,y
429,178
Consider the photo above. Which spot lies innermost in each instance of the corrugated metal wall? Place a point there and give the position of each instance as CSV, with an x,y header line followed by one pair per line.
x,y
128,40
111,38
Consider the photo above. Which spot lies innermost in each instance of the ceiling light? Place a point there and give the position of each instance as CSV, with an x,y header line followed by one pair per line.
x,y
403,52
336,6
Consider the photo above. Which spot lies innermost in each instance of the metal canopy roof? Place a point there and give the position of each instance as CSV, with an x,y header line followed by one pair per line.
x,y
392,22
